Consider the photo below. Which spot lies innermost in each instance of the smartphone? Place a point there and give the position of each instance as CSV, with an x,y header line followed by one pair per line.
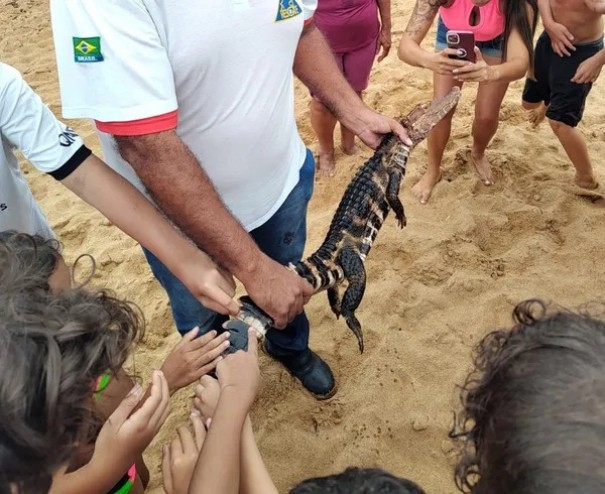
x,y
463,41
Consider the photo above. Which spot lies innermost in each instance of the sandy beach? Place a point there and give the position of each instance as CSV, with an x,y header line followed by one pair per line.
x,y
434,288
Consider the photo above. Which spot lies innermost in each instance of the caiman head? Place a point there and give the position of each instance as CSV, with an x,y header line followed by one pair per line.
x,y
419,122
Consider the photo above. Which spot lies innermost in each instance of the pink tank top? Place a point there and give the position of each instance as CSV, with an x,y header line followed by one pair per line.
x,y
491,20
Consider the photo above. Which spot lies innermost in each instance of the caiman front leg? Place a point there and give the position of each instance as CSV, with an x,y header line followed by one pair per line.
x,y
392,195
355,274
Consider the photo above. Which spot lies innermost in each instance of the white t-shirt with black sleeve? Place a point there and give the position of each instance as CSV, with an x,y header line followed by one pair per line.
x,y
52,147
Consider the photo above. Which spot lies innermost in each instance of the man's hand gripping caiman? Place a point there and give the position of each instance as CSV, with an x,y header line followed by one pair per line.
x,y
371,194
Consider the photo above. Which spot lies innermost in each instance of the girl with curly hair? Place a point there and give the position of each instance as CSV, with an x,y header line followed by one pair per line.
x,y
34,282
534,407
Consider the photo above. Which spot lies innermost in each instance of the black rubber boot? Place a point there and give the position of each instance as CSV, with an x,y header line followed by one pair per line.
x,y
306,366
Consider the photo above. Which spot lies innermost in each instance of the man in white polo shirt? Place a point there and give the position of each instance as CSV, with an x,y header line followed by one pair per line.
x,y
193,103
52,147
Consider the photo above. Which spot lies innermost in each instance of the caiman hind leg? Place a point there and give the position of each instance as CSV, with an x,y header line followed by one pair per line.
x,y
392,194
334,299
355,274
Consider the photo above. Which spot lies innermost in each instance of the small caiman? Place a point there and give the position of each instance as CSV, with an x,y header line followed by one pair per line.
x,y
367,200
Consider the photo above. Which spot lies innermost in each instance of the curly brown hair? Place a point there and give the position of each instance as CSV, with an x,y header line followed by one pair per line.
x,y
533,418
27,261
52,349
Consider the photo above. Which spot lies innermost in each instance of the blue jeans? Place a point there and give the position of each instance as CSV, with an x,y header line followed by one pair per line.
x,y
491,48
282,238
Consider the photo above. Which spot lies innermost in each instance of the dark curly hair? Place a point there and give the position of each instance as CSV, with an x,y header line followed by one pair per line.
x,y
358,481
52,349
27,261
35,258
533,417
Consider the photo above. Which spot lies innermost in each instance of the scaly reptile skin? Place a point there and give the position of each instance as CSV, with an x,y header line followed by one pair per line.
x,y
367,200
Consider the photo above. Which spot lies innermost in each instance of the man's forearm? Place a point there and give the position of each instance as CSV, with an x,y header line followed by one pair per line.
x,y
315,66
174,178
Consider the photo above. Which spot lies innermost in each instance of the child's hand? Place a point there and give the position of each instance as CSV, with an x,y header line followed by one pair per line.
x,y
124,436
589,70
210,284
560,39
193,357
239,371
179,459
207,393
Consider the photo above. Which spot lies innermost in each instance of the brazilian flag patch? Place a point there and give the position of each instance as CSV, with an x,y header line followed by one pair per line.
x,y
87,50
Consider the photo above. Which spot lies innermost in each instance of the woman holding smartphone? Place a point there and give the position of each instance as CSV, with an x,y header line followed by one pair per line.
x,y
502,32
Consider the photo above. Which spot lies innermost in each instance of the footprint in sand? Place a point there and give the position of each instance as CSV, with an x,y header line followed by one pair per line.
x,y
595,197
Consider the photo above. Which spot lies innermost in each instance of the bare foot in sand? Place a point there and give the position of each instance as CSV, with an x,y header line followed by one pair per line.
x,y
536,117
483,168
586,182
424,188
326,168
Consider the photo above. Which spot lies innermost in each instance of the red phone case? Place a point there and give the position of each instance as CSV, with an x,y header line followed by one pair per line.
x,y
462,40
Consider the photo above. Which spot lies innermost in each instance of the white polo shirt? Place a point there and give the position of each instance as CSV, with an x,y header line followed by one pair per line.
x,y
219,71
28,125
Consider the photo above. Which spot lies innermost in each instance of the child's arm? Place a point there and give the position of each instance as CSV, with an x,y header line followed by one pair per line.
x,y
101,187
57,150
561,39
254,478
218,467
122,438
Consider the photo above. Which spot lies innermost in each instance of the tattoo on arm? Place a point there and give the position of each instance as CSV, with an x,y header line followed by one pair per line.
x,y
422,17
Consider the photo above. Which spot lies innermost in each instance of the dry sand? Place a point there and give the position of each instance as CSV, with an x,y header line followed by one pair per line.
x,y
433,290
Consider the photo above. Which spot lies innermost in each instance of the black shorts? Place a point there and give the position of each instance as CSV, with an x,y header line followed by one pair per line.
x,y
553,86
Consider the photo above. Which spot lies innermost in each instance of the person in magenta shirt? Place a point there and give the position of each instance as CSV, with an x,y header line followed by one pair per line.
x,y
355,31
503,31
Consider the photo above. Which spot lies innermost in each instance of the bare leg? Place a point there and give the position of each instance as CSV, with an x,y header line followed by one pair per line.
x,y
437,140
575,147
323,123
348,139
487,113
537,112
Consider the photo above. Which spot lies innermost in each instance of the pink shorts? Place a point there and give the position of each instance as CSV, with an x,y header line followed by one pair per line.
x,y
356,65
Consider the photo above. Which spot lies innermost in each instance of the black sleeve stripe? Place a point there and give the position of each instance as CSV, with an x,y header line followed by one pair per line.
x,y
74,162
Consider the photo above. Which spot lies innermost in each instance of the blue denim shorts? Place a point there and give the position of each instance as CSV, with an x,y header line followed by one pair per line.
x,y
491,48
